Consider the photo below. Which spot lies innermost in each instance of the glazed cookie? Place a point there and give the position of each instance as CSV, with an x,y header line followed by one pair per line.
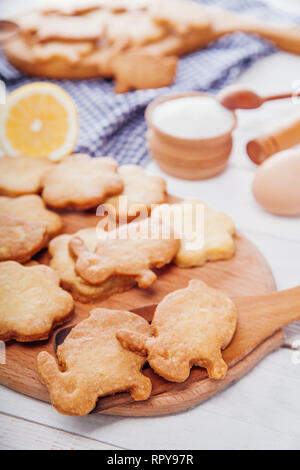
x,y
81,182
32,302
191,327
130,251
205,235
64,263
141,191
31,208
20,239
92,363
21,175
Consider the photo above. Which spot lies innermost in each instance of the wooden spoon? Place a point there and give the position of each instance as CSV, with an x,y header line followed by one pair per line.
x,y
259,319
234,97
8,29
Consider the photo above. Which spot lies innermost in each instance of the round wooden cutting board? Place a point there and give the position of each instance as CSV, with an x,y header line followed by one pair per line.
x,y
246,274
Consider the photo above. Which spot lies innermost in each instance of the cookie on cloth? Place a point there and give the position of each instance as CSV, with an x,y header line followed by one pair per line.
x,y
131,251
21,175
81,182
205,235
150,70
32,208
135,26
92,363
19,238
64,263
141,190
32,303
46,27
191,327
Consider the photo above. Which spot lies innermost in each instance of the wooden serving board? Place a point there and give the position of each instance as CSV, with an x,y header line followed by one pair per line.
x,y
246,274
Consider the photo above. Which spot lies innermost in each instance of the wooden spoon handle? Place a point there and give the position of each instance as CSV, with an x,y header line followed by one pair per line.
x,y
280,96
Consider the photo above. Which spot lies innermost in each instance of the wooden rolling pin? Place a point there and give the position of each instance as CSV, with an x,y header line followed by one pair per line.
x,y
225,22
8,29
281,138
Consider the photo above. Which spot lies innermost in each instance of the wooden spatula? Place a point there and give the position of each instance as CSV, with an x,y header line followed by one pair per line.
x,y
260,318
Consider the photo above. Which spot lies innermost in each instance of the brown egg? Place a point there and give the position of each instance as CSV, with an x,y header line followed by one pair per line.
x,y
276,185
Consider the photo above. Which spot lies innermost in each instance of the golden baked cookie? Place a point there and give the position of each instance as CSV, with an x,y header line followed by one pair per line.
x,y
80,42
32,302
21,175
205,235
141,191
191,327
54,26
81,182
150,70
135,26
72,53
32,208
92,363
131,251
19,238
64,263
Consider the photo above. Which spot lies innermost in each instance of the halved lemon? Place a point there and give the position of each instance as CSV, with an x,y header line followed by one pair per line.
x,y
39,120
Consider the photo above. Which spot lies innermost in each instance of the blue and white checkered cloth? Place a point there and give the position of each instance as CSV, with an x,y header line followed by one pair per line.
x,y
114,125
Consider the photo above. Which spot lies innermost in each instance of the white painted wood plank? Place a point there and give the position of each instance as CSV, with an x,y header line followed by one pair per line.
x,y
261,411
16,433
231,192
273,74
283,259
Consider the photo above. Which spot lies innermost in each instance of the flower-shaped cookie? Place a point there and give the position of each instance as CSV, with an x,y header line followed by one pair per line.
x,y
32,208
205,235
81,182
32,302
140,192
21,175
20,239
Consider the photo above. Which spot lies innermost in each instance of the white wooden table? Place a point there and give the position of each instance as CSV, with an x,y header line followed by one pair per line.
x,y
261,411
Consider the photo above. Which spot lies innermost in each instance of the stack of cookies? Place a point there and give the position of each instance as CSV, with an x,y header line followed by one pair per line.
x,y
137,42
136,232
